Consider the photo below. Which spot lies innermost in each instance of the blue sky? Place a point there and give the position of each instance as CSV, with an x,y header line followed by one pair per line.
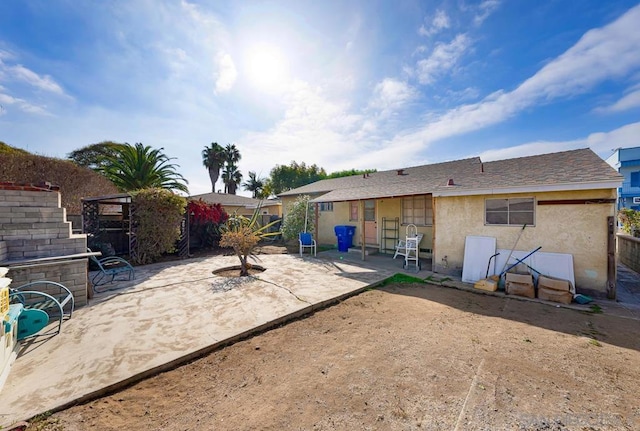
x,y
342,84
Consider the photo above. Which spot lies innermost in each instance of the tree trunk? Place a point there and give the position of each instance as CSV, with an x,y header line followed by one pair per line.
x,y
214,174
244,268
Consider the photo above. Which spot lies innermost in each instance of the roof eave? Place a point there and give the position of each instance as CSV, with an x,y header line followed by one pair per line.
x,y
528,189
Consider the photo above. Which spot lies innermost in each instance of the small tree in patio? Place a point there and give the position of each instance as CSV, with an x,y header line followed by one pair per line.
x,y
243,234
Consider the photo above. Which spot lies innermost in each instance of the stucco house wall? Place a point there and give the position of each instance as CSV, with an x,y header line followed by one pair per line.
x,y
577,229
327,220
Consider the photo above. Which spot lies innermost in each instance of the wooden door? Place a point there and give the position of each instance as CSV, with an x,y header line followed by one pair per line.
x,y
370,224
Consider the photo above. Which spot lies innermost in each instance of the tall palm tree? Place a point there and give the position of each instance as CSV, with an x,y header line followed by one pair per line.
x,y
138,167
213,157
232,155
232,177
254,185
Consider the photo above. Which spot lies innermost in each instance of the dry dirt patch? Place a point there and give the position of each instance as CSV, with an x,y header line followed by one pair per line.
x,y
404,357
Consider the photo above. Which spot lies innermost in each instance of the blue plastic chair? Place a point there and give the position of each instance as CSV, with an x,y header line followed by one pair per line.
x,y
306,241
108,269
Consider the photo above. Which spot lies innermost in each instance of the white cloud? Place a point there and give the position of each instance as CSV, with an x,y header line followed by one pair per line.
x,y
7,100
226,73
440,22
443,58
44,82
19,73
601,54
589,62
628,101
314,129
485,9
390,95
603,143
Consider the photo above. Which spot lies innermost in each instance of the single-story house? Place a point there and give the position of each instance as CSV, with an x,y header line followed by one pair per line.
x,y
566,199
242,205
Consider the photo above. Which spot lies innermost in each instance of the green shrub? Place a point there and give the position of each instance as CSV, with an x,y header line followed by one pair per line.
x,y
630,220
294,221
157,215
75,182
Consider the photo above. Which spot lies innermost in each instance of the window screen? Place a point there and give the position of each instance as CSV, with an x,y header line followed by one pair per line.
x,y
417,210
516,211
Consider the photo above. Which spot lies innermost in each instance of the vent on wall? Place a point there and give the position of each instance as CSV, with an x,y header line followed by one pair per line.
x,y
636,200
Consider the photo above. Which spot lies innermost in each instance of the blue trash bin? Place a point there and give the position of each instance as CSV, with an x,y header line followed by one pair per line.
x,y
345,236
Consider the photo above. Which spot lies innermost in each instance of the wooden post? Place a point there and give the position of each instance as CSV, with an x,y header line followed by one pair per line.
x,y
433,233
315,224
611,258
362,242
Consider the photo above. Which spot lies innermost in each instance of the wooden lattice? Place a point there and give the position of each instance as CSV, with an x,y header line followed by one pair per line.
x,y
183,243
91,218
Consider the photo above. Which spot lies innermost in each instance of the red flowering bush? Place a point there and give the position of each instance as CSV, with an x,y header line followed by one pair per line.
x,y
205,220
202,212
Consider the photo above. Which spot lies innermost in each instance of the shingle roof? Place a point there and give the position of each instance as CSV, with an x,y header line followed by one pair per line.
x,y
232,200
568,170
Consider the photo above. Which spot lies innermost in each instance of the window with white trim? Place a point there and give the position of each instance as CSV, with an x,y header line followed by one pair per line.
x,y
509,212
325,206
417,210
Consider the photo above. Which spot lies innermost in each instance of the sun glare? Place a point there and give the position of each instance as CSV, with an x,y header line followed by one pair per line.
x,y
266,67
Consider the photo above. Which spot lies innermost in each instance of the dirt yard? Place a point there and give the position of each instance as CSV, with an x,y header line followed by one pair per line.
x,y
403,357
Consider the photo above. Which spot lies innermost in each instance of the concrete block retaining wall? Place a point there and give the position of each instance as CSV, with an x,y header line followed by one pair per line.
x,y
629,251
71,273
33,226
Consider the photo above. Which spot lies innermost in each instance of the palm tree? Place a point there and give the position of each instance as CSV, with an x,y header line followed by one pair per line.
x,y
213,158
231,155
140,167
232,177
254,185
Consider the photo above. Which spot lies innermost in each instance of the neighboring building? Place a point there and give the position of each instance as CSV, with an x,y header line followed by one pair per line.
x,y
627,162
564,198
242,205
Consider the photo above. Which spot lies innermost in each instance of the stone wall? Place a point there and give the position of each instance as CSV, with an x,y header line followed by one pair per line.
x,y
70,273
629,251
34,231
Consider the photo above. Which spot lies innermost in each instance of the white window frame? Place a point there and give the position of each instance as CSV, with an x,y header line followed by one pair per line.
x,y
510,211
325,206
425,213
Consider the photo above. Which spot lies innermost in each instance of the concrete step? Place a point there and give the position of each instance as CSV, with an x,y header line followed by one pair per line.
x,y
367,250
